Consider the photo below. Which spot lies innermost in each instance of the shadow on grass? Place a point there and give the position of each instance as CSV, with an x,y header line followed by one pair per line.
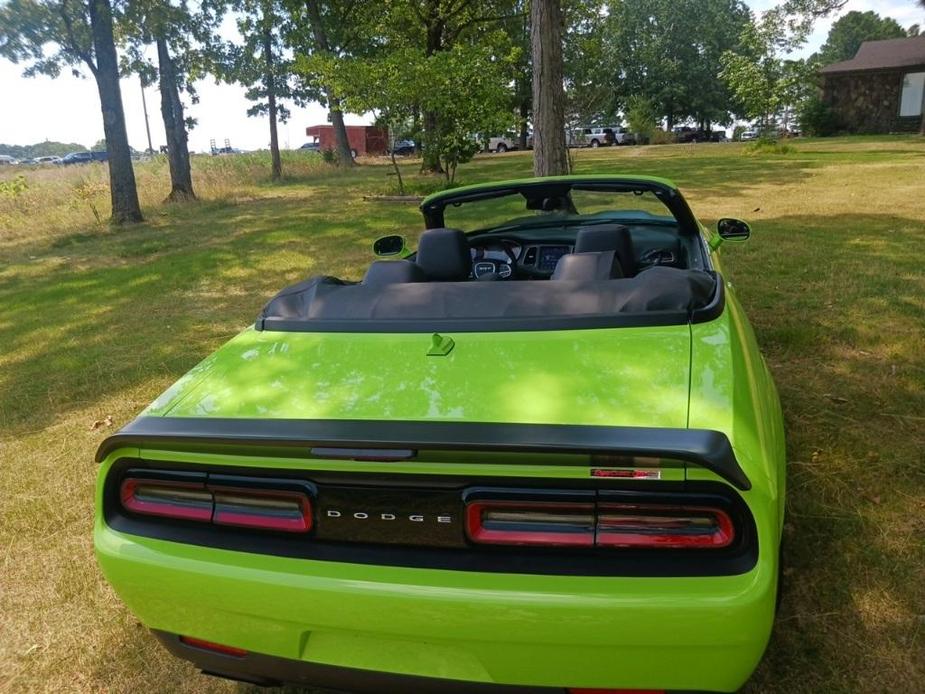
x,y
145,303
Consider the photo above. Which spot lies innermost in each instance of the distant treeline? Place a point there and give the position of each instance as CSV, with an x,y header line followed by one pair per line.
x,y
41,149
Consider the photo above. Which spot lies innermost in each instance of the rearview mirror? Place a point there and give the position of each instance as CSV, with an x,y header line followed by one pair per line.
x,y
733,229
390,245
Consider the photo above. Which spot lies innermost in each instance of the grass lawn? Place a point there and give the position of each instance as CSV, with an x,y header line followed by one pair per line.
x,y
94,323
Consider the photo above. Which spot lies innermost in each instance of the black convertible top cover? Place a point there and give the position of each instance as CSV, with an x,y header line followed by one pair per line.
x,y
657,296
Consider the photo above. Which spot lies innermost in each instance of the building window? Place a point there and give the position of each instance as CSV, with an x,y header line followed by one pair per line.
x,y
913,92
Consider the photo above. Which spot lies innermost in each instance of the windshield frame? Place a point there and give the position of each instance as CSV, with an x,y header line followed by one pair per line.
x,y
433,207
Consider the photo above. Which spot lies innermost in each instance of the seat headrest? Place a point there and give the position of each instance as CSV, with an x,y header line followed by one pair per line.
x,y
443,255
609,237
584,267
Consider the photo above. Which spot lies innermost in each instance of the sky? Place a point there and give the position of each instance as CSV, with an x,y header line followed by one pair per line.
x,y
66,109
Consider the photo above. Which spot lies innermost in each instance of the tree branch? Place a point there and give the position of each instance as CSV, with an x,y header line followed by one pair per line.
x,y
75,46
454,34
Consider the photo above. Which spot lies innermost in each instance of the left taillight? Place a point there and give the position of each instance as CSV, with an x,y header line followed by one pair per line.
x,y
552,524
167,499
238,503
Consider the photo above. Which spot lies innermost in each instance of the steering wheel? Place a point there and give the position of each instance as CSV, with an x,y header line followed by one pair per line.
x,y
480,268
504,269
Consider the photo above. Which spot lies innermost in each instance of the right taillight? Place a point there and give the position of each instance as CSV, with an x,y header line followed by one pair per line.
x,y
671,527
597,524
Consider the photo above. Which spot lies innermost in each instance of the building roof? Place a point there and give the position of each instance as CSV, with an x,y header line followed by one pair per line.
x,y
883,55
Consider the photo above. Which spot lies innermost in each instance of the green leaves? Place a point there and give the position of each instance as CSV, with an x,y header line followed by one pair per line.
x,y
851,30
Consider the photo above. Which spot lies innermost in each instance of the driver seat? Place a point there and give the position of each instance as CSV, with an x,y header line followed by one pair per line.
x,y
444,255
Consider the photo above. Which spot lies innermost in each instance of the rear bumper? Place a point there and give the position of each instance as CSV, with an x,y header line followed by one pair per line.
x,y
311,620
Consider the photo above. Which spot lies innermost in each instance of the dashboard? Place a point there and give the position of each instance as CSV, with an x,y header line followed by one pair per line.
x,y
523,257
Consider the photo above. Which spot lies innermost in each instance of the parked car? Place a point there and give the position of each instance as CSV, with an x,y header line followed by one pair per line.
x,y
313,146
84,157
622,136
501,144
541,453
7,160
689,134
47,160
749,135
597,136
403,147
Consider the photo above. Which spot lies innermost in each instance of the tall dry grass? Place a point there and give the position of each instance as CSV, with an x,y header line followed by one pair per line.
x,y
51,201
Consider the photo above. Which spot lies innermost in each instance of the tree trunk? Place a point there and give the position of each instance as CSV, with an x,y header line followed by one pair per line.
x,y
524,114
434,27
181,181
341,140
270,81
343,151
550,155
431,158
122,190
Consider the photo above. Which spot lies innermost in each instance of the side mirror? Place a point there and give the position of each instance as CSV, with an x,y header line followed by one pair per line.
x,y
390,245
733,229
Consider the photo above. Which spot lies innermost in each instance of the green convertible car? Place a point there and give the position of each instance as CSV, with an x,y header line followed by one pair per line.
x,y
540,453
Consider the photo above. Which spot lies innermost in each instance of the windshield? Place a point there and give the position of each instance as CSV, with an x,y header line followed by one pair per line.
x,y
576,205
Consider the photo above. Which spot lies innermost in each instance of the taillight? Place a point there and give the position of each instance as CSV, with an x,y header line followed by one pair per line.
x,y
286,511
672,527
597,524
242,506
168,499
553,524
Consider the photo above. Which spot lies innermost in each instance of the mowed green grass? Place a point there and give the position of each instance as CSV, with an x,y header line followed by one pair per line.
x,y
95,323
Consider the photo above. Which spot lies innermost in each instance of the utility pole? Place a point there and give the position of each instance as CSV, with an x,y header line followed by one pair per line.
x,y
144,107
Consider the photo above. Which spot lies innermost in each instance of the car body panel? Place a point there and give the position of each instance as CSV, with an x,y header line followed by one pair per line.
x,y
560,377
481,627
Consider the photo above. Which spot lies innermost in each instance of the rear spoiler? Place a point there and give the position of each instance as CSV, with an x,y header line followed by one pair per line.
x,y
708,449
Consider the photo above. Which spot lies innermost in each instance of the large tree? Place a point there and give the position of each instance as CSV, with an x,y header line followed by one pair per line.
x,y
466,85
670,52
436,26
759,74
332,30
261,64
51,35
176,31
550,153
851,30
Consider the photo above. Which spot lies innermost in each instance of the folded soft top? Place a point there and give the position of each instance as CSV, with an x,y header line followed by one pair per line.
x,y
657,296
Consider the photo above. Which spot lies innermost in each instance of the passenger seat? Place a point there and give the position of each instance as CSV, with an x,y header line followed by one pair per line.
x,y
585,267
609,237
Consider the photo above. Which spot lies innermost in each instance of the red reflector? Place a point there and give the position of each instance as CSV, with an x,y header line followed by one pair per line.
x,y
672,527
183,500
213,647
552,524
289,512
